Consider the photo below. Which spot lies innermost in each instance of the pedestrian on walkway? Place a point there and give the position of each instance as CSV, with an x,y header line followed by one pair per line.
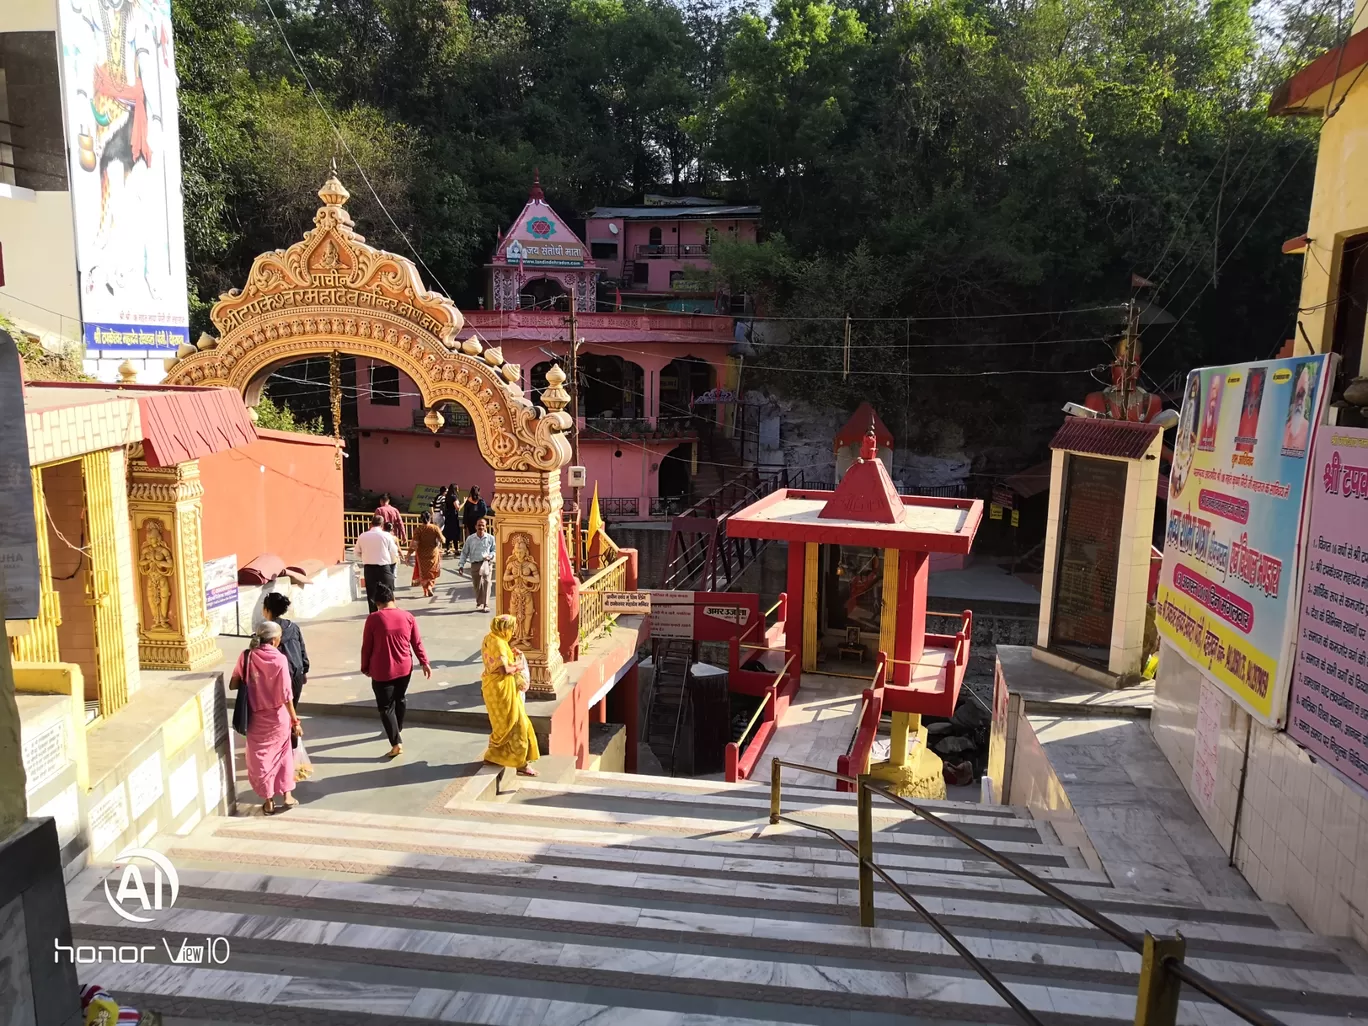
x,y
389,644
262,680
393,518
473,511
378,553
479,553
274,607
512,741
451,519
425,549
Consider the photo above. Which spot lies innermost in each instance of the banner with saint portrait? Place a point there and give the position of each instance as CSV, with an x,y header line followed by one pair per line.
x,y
119,90
1236,514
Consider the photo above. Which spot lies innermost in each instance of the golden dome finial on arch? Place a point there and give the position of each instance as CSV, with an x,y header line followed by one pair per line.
x,y
334,193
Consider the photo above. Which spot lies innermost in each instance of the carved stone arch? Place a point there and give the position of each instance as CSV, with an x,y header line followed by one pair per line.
x,y
331,292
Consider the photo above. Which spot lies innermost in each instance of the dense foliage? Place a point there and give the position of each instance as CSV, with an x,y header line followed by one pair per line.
x,y
945,159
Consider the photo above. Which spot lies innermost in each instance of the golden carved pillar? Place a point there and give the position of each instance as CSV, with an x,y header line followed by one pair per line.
x,y
164,507
527,513
39,644
109,584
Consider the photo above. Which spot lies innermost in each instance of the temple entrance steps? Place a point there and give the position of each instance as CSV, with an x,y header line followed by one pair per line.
x,y
636,900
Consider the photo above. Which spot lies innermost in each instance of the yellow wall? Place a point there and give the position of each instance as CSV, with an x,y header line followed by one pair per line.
x,y
1339,207
36,228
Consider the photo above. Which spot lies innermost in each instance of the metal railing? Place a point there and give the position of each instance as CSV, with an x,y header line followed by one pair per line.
x,y
739,761
856,759
612,577
1162,970
355,523
669,251
620,505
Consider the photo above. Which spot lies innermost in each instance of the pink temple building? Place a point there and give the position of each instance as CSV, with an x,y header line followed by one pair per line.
x,y
652,254
642,371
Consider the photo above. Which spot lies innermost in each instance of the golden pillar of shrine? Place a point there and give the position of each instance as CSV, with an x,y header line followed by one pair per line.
x,y
164,508
527,527
109,584
39,642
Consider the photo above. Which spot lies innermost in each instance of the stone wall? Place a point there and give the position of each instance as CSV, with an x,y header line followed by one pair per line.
x,y
158,765
1302,829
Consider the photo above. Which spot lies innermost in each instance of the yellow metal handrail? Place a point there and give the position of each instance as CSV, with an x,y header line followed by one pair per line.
x,y
1162,968
769,694
355,523
612,577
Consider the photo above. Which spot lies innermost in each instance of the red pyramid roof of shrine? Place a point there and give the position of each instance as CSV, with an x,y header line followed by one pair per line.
x,y
858,426
866,492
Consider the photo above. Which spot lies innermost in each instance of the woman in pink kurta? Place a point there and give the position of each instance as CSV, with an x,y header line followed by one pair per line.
x,y
266,674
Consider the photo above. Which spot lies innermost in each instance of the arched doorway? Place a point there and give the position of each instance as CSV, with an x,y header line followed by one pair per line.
x,y
680,380
543,294
332,295
673,477
612,387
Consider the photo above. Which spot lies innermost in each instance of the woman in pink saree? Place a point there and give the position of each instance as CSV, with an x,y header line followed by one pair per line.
x,y
264,673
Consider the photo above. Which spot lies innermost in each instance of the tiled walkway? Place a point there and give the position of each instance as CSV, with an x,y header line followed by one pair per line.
x,y
1134,808
816,729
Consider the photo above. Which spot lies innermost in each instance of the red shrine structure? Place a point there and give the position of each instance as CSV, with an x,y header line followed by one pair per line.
x,y
880,543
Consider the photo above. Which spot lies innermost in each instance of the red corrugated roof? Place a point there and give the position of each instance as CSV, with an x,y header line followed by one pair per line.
x,y
185,424
1098,437
858,426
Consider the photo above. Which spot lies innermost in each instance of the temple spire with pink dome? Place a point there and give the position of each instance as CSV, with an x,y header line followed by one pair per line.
x,y
540,261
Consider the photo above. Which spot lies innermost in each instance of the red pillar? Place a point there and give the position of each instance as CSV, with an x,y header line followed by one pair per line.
x,y
630,716
600,714
793,623
631,573
913,568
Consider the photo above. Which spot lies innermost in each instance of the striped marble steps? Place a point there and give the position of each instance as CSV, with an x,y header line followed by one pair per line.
x,y
568,904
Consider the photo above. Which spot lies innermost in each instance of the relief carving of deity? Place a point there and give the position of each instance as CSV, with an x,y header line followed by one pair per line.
x,y
522,579
156,564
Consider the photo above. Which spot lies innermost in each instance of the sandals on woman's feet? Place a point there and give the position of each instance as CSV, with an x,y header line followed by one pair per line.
x,y
527,771
289,804
268,807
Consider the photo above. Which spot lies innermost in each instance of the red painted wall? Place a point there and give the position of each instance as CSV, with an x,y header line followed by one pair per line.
x,y
281,494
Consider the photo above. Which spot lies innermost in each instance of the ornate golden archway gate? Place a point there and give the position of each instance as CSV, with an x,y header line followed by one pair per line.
x,y
331,293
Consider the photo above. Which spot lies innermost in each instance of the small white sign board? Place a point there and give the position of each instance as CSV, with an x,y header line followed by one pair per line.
x,y
632,603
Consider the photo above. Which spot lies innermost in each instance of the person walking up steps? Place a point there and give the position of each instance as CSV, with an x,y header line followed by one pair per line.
x,y
274,607
389,644
393,518
425,549
451,520
378,553
262,680
479,553
512,741
473,511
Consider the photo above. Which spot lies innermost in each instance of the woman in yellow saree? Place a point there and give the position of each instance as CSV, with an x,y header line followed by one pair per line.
x,y
512,742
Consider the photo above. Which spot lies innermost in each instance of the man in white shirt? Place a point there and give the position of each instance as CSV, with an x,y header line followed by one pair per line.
x,y
378,553
478,551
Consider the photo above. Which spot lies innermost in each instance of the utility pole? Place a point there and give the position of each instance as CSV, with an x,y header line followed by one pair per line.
x,y
1130,354
574,404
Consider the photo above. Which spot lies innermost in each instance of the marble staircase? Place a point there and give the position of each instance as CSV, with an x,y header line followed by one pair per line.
x,y
613,899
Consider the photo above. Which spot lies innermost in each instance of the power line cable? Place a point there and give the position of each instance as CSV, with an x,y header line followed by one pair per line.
x,y
339,137
1248,228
